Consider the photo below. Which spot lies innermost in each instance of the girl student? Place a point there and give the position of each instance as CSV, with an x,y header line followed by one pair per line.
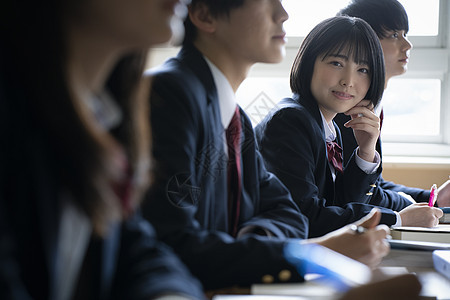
x,y
339,69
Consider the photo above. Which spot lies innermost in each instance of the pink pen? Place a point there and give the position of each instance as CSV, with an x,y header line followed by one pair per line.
x,y
432,195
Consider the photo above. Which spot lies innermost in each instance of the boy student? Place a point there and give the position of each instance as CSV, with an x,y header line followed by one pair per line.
x,y
338,68
214,203
389,20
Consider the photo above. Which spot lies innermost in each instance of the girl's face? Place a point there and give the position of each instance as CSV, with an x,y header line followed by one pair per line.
x,y
338,83
396,48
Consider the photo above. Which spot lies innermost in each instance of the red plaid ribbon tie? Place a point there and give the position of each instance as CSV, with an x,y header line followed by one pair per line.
x,y
334,152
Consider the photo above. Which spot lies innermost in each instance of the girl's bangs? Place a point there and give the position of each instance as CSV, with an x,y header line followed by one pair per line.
x,y
353,46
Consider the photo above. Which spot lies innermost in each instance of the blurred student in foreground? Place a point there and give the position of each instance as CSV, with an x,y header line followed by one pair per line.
x,y
74,160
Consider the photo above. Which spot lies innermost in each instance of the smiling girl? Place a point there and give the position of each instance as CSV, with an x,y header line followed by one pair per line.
x,y
338,69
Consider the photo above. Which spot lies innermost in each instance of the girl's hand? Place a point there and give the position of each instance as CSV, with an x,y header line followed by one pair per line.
x,y
420,214
366,128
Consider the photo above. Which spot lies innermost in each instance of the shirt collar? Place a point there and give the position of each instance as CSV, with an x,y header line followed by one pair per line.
x,y
105,110
225,93
329,130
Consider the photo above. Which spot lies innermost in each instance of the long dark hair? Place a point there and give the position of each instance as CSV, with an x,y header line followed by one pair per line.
x,y
33,70
333,36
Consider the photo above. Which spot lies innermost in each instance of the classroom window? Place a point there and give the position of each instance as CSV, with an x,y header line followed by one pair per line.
x,y
423,18
258,95
405,102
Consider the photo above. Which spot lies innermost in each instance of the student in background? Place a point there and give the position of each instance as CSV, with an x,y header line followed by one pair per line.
x,y
228,232
389,20
74,155
338,68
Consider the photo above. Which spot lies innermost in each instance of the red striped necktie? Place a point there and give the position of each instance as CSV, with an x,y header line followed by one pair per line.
x,y
233,135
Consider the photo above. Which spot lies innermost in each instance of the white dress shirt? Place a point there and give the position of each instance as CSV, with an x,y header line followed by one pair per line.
x,y
225,93
226,96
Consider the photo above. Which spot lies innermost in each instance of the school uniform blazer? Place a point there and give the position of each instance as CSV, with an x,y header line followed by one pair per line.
x,y
387,192
292,143
188,200
129,263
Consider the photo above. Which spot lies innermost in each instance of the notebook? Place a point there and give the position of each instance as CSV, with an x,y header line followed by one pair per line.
x,y
438,234
441,260
445,219
417,245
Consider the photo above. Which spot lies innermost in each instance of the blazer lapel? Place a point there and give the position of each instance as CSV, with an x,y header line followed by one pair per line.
x,y
312,107
193,58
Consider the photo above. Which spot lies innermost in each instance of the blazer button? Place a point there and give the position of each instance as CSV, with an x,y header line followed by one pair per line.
x,y
369,194
373,185
267,278
284,275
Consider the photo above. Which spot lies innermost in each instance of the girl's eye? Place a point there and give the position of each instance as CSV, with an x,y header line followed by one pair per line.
x,y
336,63
395,35
364,70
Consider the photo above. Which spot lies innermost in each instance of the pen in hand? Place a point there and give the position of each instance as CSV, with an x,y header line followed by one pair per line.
x,y
357,229
432,195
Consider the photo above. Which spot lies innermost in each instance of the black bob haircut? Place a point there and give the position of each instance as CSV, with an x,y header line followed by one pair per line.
x,y
216,8
351,37
382,15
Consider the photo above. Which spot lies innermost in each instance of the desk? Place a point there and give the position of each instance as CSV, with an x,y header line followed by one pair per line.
x,y
421,263
434,285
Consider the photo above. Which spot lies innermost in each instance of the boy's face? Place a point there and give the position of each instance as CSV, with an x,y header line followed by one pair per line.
x,y
396,47
254,32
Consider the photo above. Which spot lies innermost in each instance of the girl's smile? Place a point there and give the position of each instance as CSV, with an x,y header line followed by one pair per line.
x,y
342,95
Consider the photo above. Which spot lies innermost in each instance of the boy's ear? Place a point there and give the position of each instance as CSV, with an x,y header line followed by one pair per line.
x,y
202,19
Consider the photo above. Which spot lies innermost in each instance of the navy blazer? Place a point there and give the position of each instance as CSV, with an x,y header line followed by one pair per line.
x,y
292,142
388,190
129,263
189,195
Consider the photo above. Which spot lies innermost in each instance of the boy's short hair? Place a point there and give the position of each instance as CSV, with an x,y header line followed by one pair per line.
x,y
216,8
351,37
382,15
